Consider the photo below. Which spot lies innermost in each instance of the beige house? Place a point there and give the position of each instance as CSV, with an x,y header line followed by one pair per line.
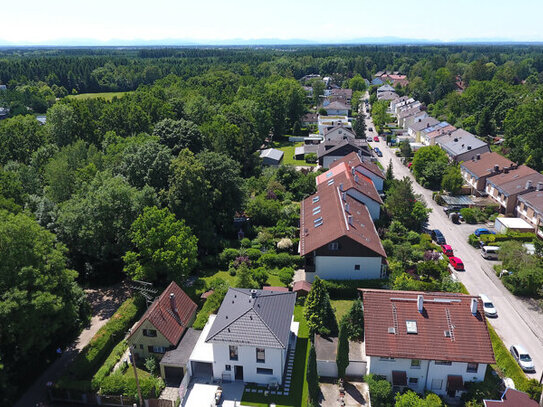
x,y
163,324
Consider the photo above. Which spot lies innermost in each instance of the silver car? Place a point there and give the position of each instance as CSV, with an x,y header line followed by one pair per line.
x,y
523,358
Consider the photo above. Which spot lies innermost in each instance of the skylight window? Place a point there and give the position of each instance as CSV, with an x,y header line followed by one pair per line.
x,y
317,224
319,219
411,327
316,199
329,174
317,210
330,181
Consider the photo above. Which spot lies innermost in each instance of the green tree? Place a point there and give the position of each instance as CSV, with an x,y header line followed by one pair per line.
x,y
360,126
355,321
166,248
452,180
429,164
312,376
486,127
357,83
412,399
405,149
285,275
41,306
318,90
403,205
245,278
178,135
318,311
342,355
20,136
61,124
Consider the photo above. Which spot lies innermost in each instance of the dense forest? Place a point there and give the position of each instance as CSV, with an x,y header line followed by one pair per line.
x,y
97,193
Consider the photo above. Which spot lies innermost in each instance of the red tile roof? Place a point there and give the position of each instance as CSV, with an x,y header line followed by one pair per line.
x,y
484,166
353,160
301,286
335,209
512,398
387,311
512,175
169,322
277,289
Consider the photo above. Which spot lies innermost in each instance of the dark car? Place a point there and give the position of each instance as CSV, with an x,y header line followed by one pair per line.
x,y
438,237
378,152
483,231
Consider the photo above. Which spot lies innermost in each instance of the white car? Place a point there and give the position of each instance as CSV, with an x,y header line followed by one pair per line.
x,y
488,306
523,358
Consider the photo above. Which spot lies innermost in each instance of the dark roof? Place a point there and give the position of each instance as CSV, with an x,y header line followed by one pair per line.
x,y
276,289
335,209
348,93
520,184
460,142
336,105
534,200
260,320
484,166
387,96
169,322
345,146
512,398
386,313
510,175
181,354
301,286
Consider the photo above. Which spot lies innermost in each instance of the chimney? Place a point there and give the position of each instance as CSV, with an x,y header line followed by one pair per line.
x,y
253,293
172,302
540,186
474,306
496,168
469,147
478,156
528,184
456,140
420,303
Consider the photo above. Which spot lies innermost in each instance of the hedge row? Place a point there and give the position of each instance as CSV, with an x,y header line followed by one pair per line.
x,y
344,289
104,371
493,239
211,305
89,360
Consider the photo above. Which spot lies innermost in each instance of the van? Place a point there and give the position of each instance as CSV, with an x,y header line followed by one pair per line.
x,y
490,252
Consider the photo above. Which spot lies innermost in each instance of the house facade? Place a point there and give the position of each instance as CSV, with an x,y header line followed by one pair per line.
x,y
339,133
163,324
477,170
530,208
363,165
414,129
330,151
426,341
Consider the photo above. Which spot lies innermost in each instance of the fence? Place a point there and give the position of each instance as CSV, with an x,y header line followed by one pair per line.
x,y
89,399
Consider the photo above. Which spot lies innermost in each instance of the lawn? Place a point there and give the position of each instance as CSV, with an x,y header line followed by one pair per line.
x,y
104,95
288,147
341,307
298,388
142,374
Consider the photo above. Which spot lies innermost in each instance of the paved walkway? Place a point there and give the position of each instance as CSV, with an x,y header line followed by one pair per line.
x,y
104,302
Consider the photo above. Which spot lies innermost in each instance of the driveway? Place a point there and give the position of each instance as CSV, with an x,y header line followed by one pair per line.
x,y
519,320
104,303
356,394
203,394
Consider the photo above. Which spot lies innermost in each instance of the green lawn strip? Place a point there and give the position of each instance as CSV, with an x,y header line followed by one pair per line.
x,y
142,374
298,387
103,95
341,307
505,363
225,275
288,148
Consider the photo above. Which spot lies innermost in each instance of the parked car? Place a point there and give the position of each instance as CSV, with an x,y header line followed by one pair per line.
x,y
490,252
375,138
523,358
456,263
369,139
370,128
449,209
447,250
438,237
488,307
483,231
378,152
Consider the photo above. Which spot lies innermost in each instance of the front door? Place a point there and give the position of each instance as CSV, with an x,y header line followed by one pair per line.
x,y
238,372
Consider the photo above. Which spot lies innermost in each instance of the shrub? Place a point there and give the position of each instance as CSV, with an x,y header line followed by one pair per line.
x,y
253,254
469,215
273,260
115,355
474,241
284,244
245,243
227,256
118,384
260,275
151,364
380,390
520,237
86,364
311,158
286,274
348,289
211,305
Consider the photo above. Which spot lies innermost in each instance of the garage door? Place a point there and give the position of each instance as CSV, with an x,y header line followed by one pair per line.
x,y
202,370
174,375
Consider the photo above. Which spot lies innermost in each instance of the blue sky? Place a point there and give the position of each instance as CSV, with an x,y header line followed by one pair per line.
x,y
323,21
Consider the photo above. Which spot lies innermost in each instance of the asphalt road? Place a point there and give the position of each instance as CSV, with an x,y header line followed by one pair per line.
x,y
519,321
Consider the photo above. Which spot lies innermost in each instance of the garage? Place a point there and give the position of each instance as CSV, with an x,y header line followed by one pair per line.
x,y
202,370
173,375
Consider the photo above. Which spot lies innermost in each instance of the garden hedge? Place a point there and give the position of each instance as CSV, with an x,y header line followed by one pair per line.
x,y
345,289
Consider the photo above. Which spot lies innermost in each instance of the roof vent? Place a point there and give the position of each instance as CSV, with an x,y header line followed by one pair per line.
x,y
447,334
540,186
469,147
253,293
528,184
420,303
496,168
172,302
474,306
455,139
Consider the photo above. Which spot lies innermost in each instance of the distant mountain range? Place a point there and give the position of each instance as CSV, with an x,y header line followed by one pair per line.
x,y
90,42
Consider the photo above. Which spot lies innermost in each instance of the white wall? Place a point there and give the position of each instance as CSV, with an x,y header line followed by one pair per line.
x,y
274,359
373,207
426,374
342,268
327,368
377,181
331,112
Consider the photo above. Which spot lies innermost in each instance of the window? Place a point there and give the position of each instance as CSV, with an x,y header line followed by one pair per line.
x,y
261,370
316,210
233,352
316,199
385,359
260,355
141,346
228,368
149,332
413,381
357,266
415,363
333,246
472,367
443,363
437,384
156,349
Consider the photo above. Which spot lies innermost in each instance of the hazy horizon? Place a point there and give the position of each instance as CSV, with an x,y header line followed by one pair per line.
x,y
170,22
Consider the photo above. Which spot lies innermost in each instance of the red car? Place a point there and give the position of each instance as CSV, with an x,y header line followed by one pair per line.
x,y
447,250
375,138
456,263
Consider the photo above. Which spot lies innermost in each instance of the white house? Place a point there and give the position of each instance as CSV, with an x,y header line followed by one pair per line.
x,y
336,108
339,133
426,341
248,340
329,122
337,236
415,129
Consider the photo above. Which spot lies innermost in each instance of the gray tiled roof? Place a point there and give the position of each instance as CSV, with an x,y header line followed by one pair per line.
x,y
458,142
272,153
424,123
260,321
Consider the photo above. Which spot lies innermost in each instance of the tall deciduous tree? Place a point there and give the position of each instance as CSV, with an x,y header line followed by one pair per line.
x,y
452,180
19,137
61,124
318,310
166,249
178,135
405,206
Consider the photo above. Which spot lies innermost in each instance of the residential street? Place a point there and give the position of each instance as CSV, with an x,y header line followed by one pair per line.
x,y
518,321
104,303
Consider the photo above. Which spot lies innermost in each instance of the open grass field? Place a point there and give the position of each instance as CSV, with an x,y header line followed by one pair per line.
x,y
103,95
288,147
341,307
